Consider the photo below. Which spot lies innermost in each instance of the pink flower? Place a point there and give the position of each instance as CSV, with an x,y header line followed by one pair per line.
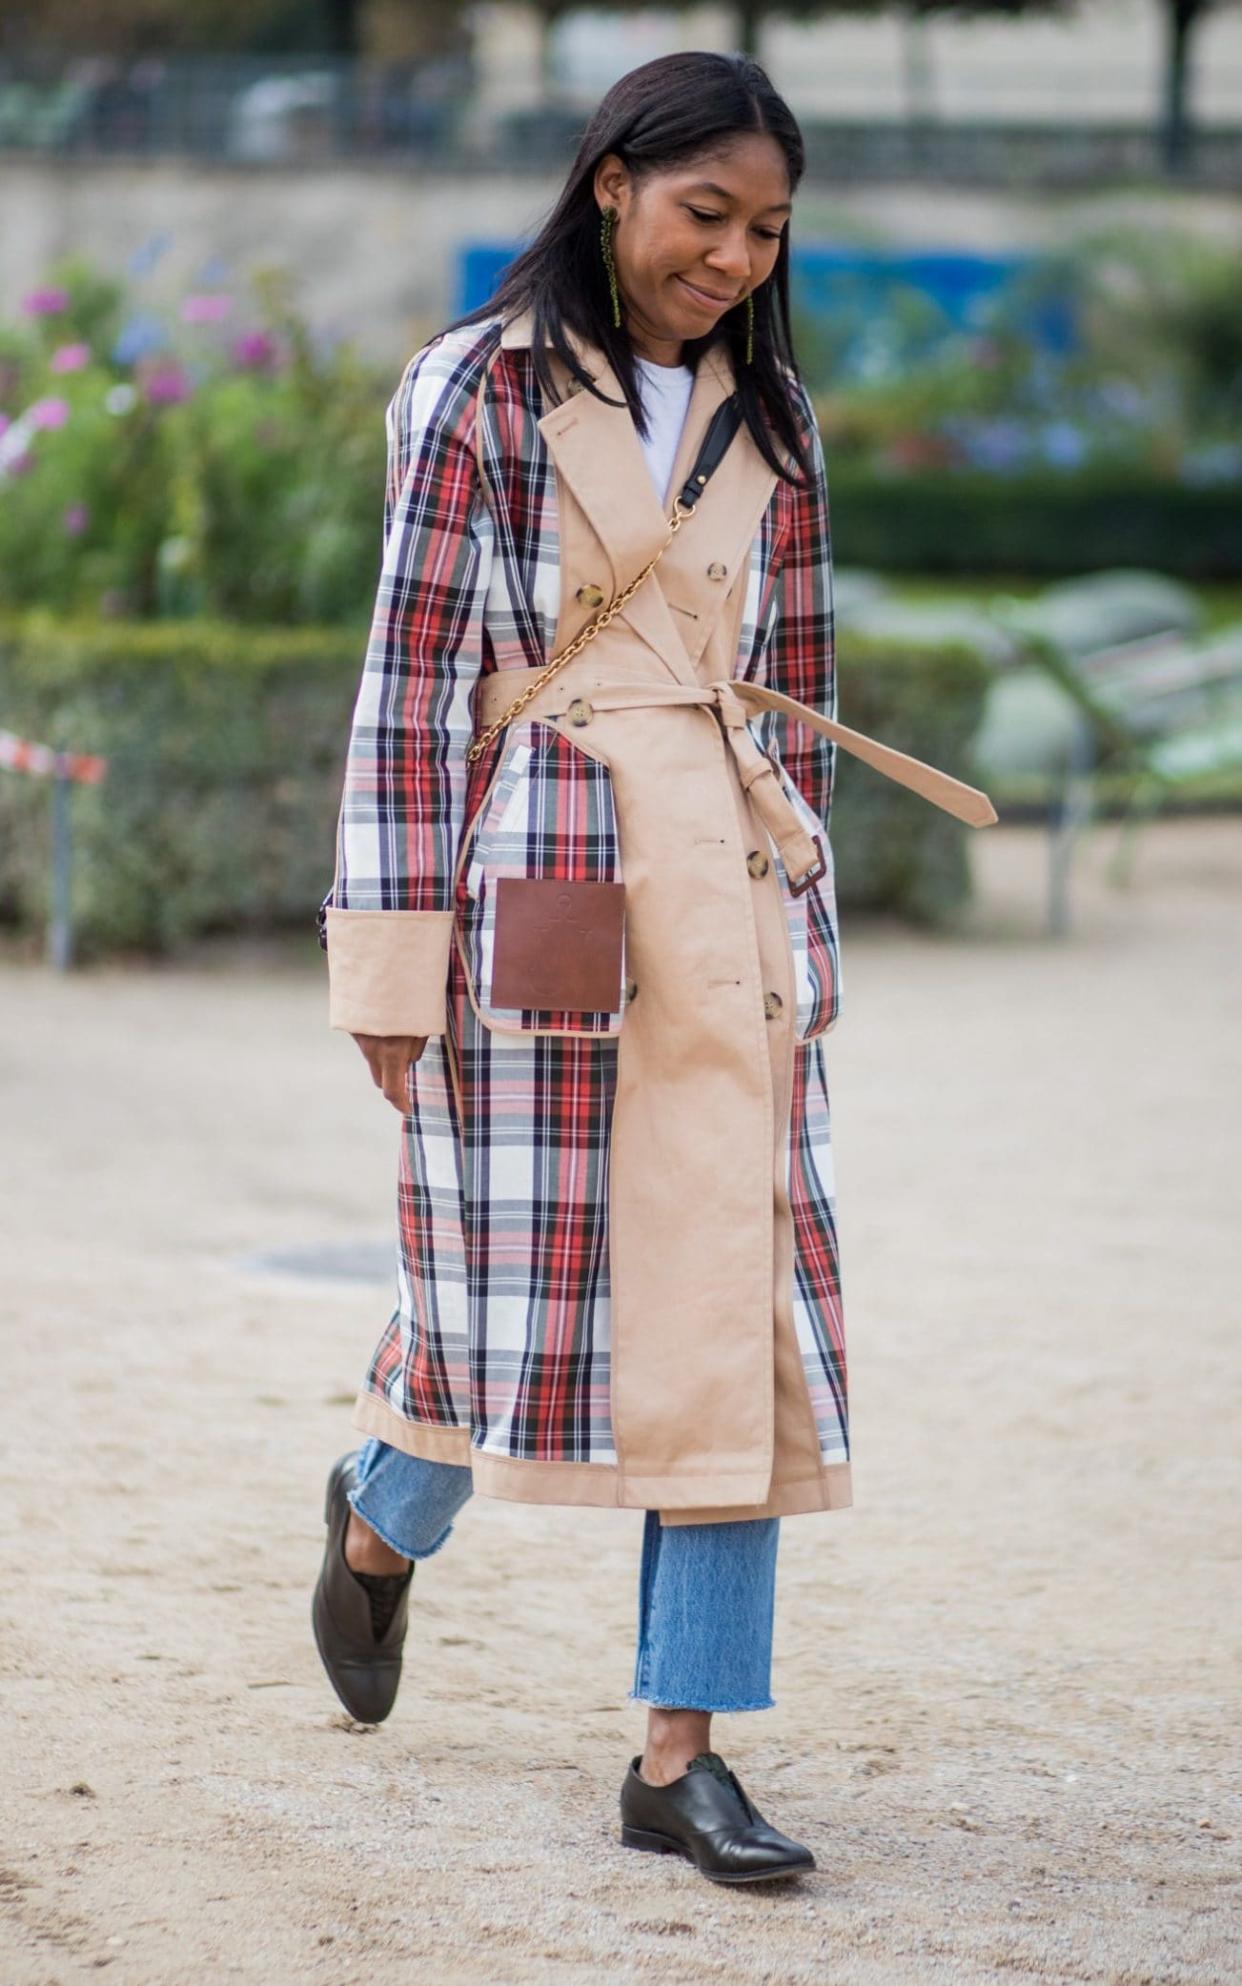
x,y
255,349
70,358
4,422
206,309
49,413
51,301
75,519
165,385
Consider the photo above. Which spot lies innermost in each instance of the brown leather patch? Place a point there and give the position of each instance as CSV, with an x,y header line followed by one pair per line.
x,y
558,945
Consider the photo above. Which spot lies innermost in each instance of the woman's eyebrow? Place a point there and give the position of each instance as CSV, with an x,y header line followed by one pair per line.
x,y
709,186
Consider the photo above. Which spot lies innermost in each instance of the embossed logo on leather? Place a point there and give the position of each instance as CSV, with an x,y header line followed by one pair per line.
x,y
558,945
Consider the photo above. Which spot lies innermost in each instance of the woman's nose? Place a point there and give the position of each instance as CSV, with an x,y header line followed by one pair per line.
x,y
731,256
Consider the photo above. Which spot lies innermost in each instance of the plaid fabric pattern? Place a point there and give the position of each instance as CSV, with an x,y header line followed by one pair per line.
x,y
502,1321
818,1316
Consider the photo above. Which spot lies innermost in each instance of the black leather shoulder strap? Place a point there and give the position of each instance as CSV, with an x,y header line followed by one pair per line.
x,y
725,423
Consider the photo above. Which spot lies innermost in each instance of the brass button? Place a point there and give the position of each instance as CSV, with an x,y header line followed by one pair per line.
x,y
717,571
590,596
757,863
631,991
772,1005
579,711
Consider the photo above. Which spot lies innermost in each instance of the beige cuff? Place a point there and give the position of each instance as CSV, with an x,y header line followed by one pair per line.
x,y
388,970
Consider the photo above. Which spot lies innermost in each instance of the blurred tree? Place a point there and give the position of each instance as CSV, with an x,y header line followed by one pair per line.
x,y
749,17
1181,18
144,27
392,29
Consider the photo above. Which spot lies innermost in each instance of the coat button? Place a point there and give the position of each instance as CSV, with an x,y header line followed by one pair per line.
x,y
579,711
772,1005
717,571
631,991
590,596
757,863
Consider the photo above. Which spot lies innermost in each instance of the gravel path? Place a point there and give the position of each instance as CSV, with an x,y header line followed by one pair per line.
x,y
1006,1680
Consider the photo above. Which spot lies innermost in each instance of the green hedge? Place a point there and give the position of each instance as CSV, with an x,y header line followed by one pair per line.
x,y
1046,526
227,744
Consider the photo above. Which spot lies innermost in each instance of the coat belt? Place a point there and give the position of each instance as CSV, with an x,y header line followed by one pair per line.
x,y
735,702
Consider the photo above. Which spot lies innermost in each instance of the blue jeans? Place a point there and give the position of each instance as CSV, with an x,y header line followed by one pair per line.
x,y
705,1591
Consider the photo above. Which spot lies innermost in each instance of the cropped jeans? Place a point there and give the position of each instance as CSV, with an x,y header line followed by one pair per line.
x,y
705,1591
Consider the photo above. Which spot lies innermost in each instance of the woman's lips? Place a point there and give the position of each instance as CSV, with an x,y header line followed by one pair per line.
x,y
704,298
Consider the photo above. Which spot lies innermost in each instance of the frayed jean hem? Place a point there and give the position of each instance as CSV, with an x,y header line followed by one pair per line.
x,y
354,1500
709,1709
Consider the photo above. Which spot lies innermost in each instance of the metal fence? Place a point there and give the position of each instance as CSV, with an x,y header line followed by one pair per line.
x,y
255,111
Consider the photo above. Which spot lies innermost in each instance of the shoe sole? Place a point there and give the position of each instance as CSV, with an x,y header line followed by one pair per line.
x,y
663,1844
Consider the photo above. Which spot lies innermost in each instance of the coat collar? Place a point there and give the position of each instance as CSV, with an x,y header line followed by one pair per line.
x,y
597,451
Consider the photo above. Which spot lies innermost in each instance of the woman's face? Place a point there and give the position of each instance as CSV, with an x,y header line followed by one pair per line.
x,y
691,242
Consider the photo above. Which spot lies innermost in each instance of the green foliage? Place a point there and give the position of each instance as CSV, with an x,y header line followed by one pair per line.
x,y
226,749
893,850
221,461
226,465
1040,524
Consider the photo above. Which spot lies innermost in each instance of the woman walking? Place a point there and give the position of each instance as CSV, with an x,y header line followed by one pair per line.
x,y
583,928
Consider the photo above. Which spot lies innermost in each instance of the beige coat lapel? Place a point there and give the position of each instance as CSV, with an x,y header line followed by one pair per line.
x,y
598,454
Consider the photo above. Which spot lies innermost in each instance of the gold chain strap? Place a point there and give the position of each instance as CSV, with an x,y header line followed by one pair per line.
x,y
602,620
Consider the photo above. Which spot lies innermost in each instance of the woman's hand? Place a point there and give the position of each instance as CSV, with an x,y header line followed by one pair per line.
x,y
389,1057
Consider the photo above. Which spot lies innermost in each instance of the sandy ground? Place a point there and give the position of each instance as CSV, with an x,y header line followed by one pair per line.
x,y
1006,1679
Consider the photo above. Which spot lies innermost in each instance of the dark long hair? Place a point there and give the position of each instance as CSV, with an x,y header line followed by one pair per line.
x,y
661,115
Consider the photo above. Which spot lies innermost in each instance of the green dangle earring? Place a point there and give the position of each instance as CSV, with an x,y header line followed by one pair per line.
x,y
607,227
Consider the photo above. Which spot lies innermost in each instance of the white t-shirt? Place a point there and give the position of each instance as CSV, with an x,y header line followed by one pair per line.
x,y
666,391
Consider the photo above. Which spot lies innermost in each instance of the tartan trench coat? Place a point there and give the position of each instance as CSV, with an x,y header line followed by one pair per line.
x,y
617,1265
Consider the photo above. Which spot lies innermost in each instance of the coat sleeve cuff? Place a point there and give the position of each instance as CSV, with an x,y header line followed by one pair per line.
x,y
388,970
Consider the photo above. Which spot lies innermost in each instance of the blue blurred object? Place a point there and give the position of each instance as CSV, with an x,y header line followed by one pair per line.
x,y
139,336
152,251
480,266
961,288
862,292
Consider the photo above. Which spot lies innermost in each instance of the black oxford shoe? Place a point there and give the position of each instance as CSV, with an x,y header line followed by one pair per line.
x,y
364,1667
708,1817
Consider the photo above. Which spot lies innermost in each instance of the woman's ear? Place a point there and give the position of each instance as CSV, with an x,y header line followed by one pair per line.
x,y
612,183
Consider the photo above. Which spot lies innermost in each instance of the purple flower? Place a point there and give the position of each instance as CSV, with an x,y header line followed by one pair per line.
x,y
254,349
70,358
51,301
206,309
165,385
49,413
4,422
75,519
